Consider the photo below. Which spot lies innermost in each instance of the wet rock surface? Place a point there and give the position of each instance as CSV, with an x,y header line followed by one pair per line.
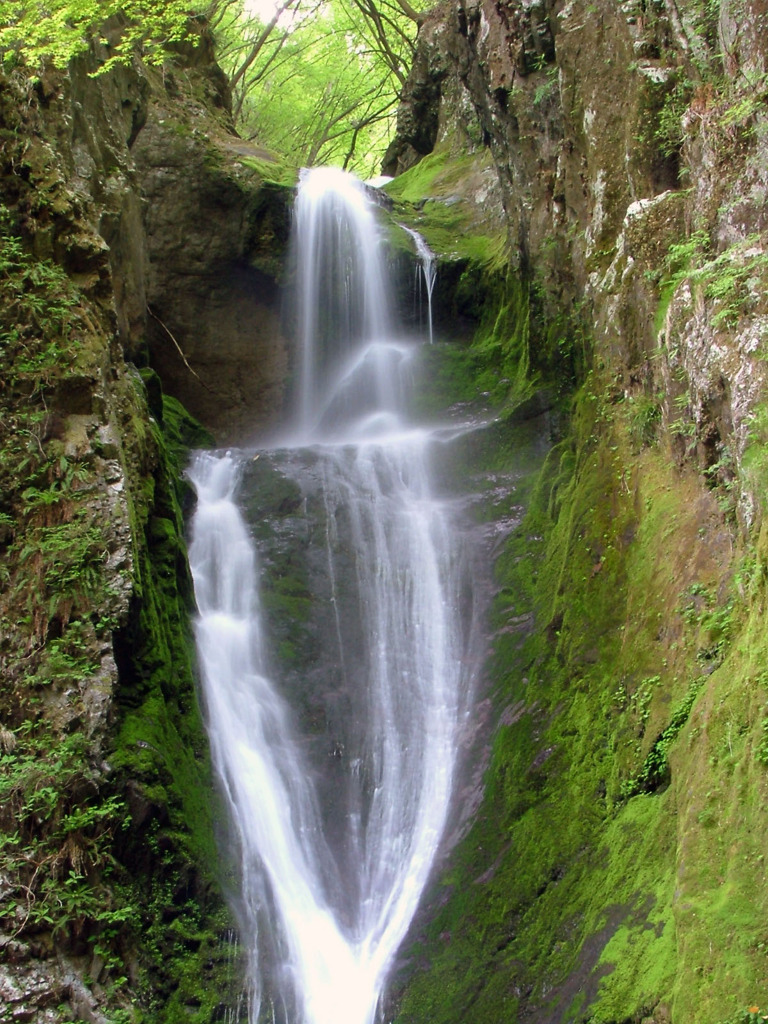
x,y
603,169
629,151
216,235
97,706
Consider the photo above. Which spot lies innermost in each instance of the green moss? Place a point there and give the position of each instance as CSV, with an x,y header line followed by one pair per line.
x,y
437,198
447,375
569,898
444,227
435,169
273,169
160,755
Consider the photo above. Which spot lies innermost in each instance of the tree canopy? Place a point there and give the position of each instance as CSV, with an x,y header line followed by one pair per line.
x,y
58,30
320,80
316,80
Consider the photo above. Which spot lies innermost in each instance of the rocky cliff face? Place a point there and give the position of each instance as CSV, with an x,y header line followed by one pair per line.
x,y
609,873
216,223
618,132
135,227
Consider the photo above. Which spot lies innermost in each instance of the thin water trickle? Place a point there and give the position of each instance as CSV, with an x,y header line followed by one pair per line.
x,y
337,885
428,272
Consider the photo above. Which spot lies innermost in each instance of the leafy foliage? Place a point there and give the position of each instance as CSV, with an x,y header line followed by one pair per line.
x,y
750,1015
57,835
655,771
58,547
669,133
730,279
320,82
58,30
56,824
38,317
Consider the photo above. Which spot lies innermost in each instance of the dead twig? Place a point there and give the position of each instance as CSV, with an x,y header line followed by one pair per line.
x,y
178,347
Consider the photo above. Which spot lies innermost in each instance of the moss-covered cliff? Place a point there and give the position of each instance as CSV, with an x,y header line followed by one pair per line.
x,y
616,868
110,886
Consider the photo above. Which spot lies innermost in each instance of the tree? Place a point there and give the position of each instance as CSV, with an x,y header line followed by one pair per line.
x,y
321,80
58,30
317,80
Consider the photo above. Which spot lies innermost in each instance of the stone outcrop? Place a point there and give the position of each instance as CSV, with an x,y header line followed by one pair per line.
x,y
135,227
616,131
629,147
216,233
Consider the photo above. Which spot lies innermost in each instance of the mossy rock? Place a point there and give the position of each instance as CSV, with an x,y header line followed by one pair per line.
x,y
564,901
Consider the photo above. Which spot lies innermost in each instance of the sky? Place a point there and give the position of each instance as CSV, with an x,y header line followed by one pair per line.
x,y
264,9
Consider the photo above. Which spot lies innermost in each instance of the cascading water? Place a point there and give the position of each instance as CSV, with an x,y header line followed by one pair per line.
x,y
335,851
428,271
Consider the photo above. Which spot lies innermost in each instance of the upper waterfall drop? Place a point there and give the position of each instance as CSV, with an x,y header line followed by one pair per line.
x,y
349,360
337,849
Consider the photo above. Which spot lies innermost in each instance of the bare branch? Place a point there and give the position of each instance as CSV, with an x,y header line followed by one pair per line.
x,y
261,40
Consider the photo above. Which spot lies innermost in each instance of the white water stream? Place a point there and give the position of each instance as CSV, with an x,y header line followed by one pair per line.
x,y
337,887
428,271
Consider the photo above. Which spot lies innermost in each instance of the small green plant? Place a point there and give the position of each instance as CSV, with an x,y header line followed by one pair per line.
x,y
751,99
547,88
655,770
714,624
669,134
36,293
762,749
644,419
729,279
57,833
750,1015
681,256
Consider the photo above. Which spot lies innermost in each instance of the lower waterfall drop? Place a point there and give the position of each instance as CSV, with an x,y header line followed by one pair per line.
x,y
335,851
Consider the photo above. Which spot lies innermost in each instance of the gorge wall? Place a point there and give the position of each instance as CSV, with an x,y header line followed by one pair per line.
x,y
592,177
615,871
140,240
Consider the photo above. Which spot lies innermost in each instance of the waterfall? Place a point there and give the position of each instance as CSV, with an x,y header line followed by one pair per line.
x,y
428,271
335,848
